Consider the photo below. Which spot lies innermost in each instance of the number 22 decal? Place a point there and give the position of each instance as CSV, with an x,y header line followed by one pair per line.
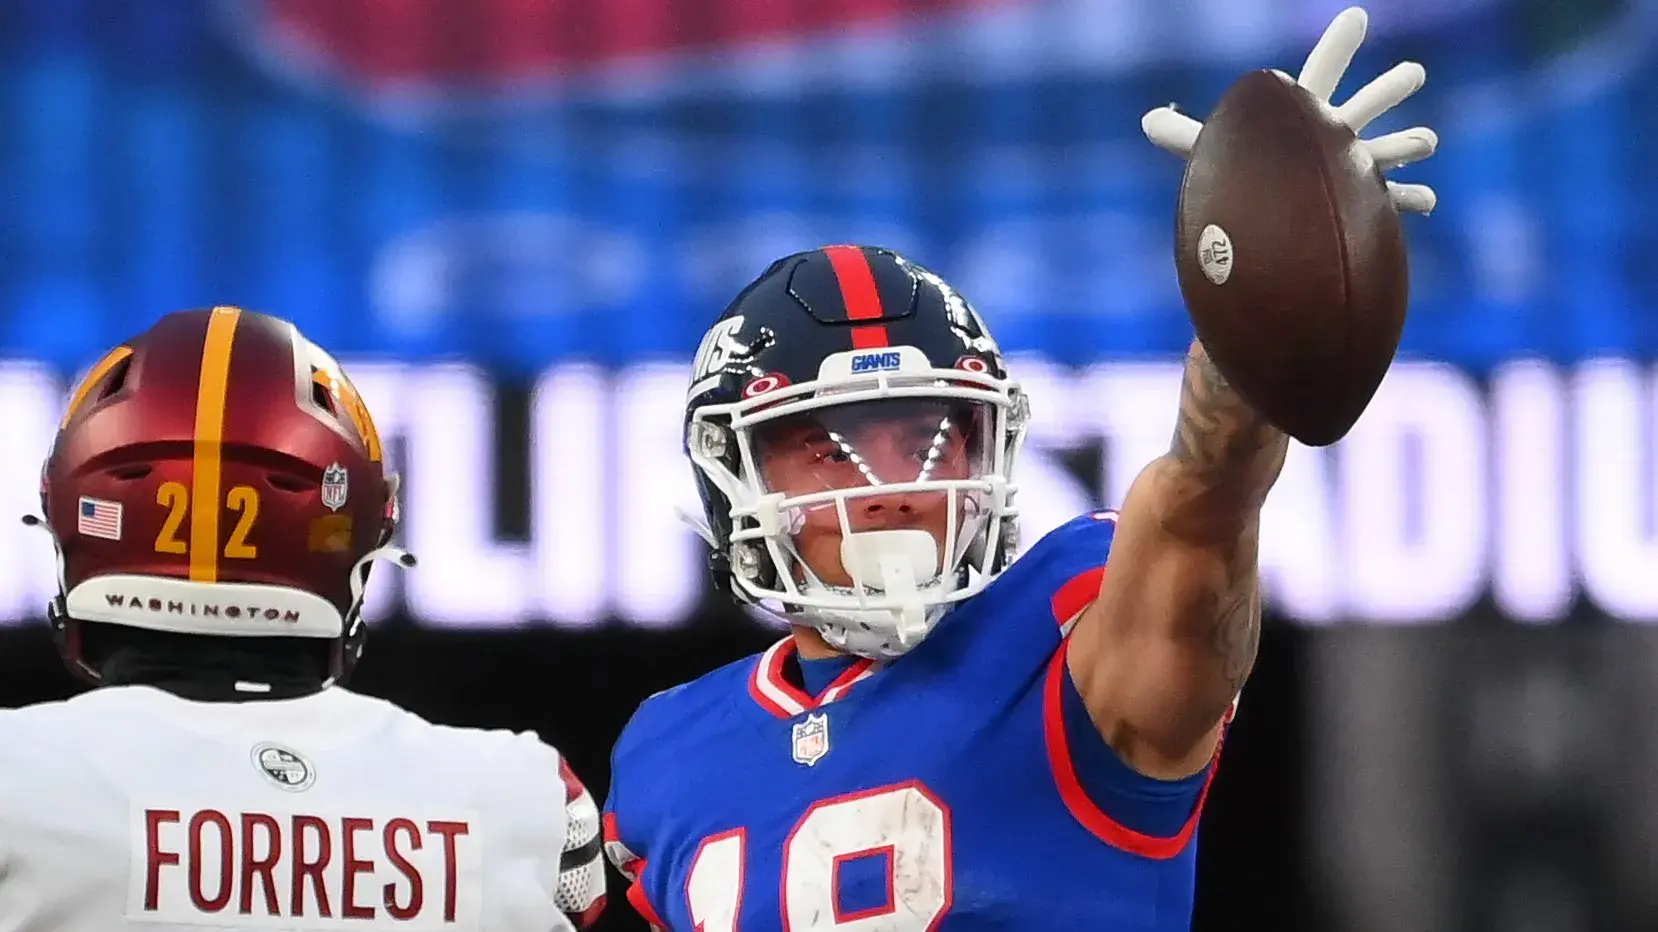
x,y
903,823
242,499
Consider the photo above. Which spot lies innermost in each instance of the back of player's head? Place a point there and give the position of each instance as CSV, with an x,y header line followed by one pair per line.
x,y
853,430
217,475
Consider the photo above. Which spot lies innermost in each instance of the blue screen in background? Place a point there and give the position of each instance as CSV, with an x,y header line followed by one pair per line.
x,y
520,182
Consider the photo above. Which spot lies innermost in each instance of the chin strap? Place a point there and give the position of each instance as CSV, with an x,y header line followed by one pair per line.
x,y
57,610
387,552
36,521
352,630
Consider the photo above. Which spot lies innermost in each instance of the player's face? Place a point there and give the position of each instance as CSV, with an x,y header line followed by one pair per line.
x,y
858,448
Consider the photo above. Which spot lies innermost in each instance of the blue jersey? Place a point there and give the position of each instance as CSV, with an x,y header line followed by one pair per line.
x,y
959,788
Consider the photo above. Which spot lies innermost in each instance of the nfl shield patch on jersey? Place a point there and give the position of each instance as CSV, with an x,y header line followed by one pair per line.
x,y
283,767
811,739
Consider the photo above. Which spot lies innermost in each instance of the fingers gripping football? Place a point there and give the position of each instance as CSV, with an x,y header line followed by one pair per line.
x,y
1169,129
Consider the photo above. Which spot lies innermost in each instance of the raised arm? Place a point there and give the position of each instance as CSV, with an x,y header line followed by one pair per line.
x,y
1161,654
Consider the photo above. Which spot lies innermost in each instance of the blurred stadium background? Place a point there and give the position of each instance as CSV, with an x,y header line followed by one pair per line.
x,y
512,218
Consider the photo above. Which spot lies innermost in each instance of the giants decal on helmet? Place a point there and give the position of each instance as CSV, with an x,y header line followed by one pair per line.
x,y
876,362
896,361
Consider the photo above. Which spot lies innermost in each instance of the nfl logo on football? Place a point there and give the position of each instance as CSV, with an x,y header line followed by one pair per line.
x,y
334,487
811,739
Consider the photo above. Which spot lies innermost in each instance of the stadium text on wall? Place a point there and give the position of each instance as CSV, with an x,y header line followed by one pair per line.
x,y
1536,489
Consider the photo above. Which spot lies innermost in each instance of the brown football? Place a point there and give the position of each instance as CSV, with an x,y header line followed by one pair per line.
x,y
1291,258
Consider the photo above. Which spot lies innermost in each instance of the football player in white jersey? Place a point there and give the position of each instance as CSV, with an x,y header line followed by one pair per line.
x,y
216,493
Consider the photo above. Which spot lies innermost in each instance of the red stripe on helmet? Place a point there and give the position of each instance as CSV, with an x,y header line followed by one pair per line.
x,y
859,294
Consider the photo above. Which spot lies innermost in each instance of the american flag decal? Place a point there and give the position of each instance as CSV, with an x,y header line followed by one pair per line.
x,y
98,518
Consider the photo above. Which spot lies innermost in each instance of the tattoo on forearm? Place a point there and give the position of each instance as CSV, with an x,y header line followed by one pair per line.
x,y
1221,439
1228,456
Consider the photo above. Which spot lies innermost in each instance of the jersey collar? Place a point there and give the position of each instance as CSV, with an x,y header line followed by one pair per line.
x,y
773,691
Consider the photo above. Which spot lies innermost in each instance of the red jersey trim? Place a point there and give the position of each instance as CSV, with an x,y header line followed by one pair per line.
x,y
773,691
1068,603
1080,590
1076,799
642,905
631,865
632,868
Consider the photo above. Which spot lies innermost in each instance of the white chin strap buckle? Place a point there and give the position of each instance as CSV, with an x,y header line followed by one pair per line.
x,y
896,563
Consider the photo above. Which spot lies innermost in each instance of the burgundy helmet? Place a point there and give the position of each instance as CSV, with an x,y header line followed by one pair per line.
x,y
217,475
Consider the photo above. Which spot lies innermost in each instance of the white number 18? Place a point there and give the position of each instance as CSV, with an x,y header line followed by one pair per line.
x,y
904,822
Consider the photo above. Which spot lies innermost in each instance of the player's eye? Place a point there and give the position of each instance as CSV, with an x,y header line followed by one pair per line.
x,y
927,439
828,447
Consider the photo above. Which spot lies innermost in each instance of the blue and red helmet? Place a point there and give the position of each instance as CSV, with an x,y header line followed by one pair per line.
x,y
853,430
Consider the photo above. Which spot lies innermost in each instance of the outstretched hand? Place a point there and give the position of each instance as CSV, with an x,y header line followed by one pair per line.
x,y
1176,132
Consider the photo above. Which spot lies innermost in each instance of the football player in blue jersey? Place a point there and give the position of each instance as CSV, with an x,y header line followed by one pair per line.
x,y
948,738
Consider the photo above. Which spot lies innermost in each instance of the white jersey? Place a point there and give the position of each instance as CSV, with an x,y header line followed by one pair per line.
x,y
130,808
